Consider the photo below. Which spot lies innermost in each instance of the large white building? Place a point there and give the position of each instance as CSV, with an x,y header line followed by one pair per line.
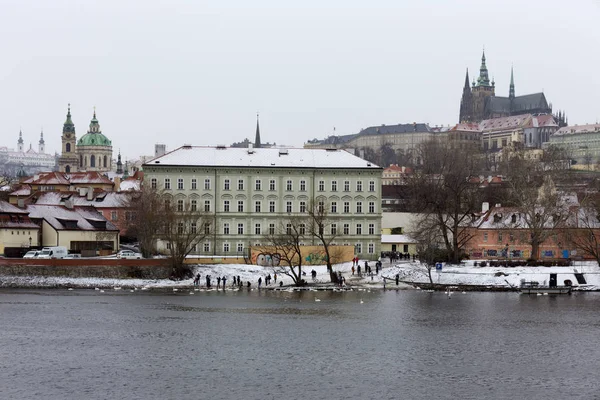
x,y
249,191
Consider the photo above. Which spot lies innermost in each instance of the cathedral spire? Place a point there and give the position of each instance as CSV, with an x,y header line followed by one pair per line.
x,y
119,164
511,91
20,141
467,84
68,125
257,137
484,79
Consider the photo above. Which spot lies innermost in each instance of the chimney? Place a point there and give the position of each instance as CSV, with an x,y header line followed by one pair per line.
x,y
90,194
117,184
69,204
485,207
21,203
81,191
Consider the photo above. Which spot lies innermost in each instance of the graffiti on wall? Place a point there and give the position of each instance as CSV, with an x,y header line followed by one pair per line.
x,y
266,259
316,258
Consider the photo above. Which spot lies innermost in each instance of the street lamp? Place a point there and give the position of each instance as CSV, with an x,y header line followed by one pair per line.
x,y
29,241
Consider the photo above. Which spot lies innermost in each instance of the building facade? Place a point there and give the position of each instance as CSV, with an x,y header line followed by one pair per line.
x,y
250,192
26,161
582,142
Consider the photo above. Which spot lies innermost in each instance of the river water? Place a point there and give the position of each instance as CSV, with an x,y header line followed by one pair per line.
x,y
83,344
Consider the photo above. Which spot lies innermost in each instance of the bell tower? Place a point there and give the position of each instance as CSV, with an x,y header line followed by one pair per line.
x,y
68,161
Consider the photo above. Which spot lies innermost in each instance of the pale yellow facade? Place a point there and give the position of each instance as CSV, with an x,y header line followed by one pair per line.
x,y
13,237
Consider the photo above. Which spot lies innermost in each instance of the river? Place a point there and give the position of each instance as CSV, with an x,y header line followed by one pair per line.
x,y
82,344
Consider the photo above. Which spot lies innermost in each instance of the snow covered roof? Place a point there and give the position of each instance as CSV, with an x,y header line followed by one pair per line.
x,y
397,239
77,218
63,178
7,208
130,184
99,199
272,157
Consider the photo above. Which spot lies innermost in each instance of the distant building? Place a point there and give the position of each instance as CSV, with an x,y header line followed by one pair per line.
x,y
26,162
479,100
582,142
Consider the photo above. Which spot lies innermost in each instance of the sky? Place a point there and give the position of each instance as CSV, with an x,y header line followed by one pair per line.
x,y
197,72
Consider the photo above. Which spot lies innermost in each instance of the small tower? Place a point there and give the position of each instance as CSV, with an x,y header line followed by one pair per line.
x,y
119,164
511,89
481,91
20,142
68,161
466,102
257,137
41,143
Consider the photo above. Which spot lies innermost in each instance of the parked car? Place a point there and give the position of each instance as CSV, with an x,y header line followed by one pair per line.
x,y
73,256
32,254
128,254
53,252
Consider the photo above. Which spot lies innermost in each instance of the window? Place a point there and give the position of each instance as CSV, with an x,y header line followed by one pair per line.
x,y
320,207
371,229
271,229
333,229
346,229
288,185
359,207
225,247
499,237
240,247
207,246
180,184
288,229
302,229
226,228
333,207
288,206
272,185
257,205
346,186
225,205
321,186
258,184
485,236
167,183
371,207
180,228
359,186
240,229
207,184
359,229
207,228
194,184
193,228
153,183
358,248
303,185
257,229
334,186
240,184
113,215
302,206
226,184
240,205
206,205
168,245
271,206
371,248
167,204
371,186
346,207
179,205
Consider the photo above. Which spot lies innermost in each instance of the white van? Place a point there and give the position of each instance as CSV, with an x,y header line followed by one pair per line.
x,y
53,252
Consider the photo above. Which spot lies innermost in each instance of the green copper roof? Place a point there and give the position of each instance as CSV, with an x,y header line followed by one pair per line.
x,y
94,139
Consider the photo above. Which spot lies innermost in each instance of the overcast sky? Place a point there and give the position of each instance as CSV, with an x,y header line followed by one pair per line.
x,y
197,72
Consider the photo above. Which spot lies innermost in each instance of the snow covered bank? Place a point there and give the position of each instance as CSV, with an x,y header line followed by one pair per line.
x,y
499,277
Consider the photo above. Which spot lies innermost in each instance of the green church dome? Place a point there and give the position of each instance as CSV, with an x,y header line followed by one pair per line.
x,y
93,139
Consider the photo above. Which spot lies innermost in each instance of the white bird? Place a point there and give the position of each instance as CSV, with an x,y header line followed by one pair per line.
x,y
117,288
175,289
131,290
317,299
539,294
144,288
70,289
101,291
191,292
464,292
196,290
97,289
361,301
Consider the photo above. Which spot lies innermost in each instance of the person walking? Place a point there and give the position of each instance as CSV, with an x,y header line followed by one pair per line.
x,y
358,270
218,282
259,281
352,270
275,277
224,282
208,281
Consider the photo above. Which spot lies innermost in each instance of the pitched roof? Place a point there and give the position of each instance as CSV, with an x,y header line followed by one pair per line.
x,y
7,208
577,129
496,124
83,217
400,128
263,157
529,102
397,239
100,199
63,178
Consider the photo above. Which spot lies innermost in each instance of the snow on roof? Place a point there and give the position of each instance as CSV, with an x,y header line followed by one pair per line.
x,y
23,190
272,157
575,129
63,178
7,208
397,239
130,184
53,215
99,200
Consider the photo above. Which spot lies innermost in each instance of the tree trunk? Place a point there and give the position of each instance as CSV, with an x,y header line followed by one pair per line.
x,y
535,250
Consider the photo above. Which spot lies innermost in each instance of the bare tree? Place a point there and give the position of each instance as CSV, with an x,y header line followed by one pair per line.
x,y
183,229
145,219
322,227
286,241
586,236
428,248
443,194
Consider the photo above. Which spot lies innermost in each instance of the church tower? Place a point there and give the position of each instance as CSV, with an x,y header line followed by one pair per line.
x,y
481,90
68,161
466,102
20,142
511,89
119,164
257,136
41,144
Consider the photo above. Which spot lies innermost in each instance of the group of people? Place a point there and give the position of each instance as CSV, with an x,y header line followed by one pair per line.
x,y
367,270
396,255
268,280
221,281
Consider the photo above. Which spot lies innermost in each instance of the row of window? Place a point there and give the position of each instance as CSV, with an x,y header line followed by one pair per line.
x,y
333,229
289,186
240,247
289,206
